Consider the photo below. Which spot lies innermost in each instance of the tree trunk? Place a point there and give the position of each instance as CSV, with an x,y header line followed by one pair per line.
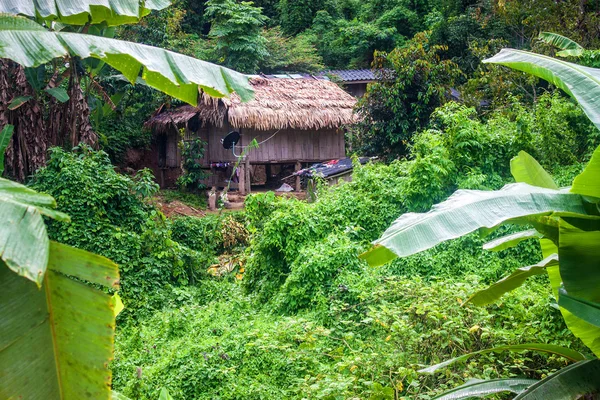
x,y
41,122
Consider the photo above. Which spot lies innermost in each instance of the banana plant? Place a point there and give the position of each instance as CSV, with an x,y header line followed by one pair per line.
x,y
56,38
566,221
56,326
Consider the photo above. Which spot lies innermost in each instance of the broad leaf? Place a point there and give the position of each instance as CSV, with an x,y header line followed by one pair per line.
x,y
56,343
481,388
583,83
18,102
511,282
23,238
569,47
80,12
540,347
172,73
164,395
586,310
579,253
508,241
588,333
526,169
587,182
58,93
570,382
5,136
466,211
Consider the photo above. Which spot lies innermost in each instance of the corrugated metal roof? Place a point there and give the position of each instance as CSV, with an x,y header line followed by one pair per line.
x,y
351,75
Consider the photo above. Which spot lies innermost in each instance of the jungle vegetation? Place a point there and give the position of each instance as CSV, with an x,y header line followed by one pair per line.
x,y
489,109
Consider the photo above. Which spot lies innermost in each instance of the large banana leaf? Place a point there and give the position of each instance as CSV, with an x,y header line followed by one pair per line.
x,y
511,282
583,83
570,382
508,241
568,46
588,333
23,238
588,182
583,309
56,343
481,388
30,45
80,12
567,353
466,211
526,169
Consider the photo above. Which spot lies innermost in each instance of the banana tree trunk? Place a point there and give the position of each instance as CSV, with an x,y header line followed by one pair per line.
x,y
40,122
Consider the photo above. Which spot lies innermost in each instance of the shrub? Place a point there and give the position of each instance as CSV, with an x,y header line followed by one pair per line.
x,y
110,215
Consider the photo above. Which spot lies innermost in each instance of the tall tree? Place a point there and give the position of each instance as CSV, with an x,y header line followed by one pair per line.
x,y
236,29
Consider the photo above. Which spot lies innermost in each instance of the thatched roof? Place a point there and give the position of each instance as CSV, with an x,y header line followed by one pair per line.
x,y
305,104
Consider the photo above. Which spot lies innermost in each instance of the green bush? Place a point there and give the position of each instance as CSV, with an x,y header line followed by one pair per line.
x,y
215,343
110,215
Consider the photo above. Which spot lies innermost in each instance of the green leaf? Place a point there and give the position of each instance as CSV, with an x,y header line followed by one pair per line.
x,y
567,353
5,136
18,102
586,310
24,242
55,343
508,241
579,253
583,83
570,47
526,169
587,183
466,211
588,333
35,77
58,93
164,395
511,282
174,74
80,12
118,396
481,388
570,382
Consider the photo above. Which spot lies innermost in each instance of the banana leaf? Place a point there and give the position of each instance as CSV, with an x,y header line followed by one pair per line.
x,y
586,310
508,241
567,353
24,242
570,382
587,183
30,45
466,211
526,169
57,342
511,282
80,12
5,136
481,388
569,47
583,83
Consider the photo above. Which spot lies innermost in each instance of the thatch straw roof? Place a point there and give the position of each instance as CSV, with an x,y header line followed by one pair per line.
x,y
305,104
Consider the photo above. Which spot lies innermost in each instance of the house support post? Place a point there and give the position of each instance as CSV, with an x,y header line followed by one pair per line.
x,y
298,168
242,177
248,178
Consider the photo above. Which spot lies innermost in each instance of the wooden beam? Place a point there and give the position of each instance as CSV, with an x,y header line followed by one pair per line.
x,y
298,168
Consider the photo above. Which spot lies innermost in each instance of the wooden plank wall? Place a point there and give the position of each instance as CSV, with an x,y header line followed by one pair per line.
x,y
286,146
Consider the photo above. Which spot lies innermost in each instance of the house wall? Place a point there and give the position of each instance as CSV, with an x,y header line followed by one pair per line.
x,y
285,146
356,89
281,146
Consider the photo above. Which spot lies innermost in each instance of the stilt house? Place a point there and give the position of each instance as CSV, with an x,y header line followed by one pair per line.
x,y
296,121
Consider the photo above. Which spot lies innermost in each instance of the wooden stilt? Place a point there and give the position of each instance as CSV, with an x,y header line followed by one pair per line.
x,y
298,168
248,178
242,178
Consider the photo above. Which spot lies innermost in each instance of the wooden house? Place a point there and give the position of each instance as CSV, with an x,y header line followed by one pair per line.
x,y
295,121
355,81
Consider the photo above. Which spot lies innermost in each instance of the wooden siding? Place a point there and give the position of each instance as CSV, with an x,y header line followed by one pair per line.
x,y
286,146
